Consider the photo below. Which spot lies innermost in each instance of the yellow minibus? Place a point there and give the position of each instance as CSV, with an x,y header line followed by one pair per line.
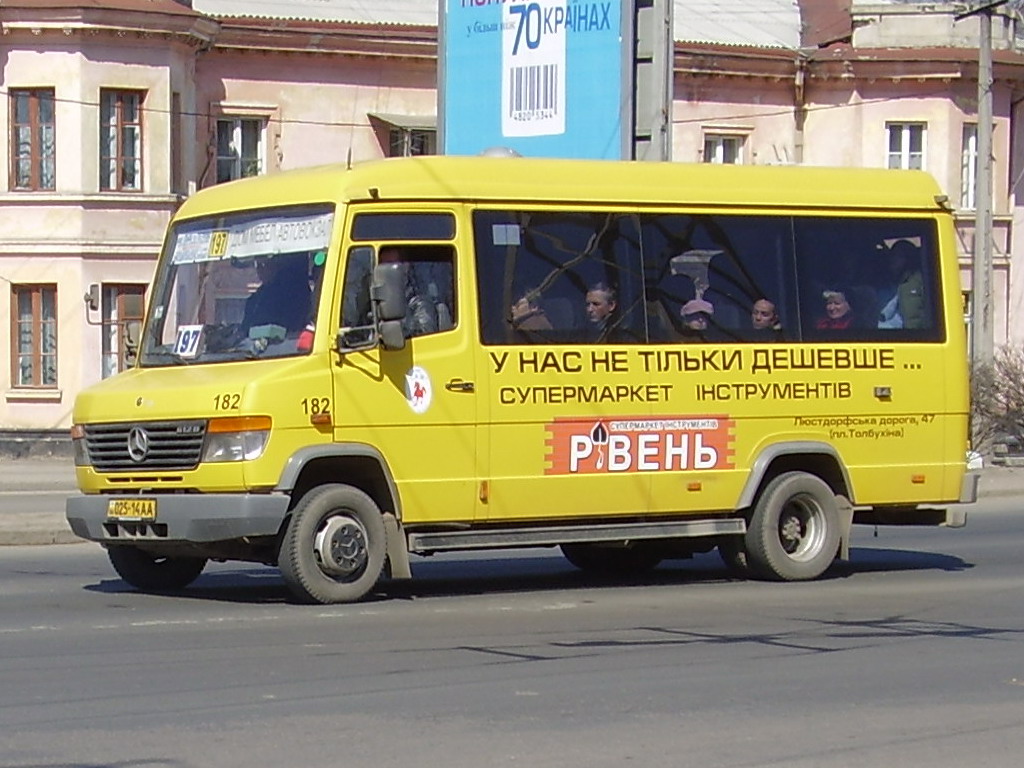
x,y
343,367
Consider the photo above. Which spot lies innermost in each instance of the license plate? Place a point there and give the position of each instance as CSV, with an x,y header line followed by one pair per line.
x,y
132,509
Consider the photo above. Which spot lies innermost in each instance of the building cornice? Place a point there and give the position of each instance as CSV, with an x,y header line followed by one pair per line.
x,y
388,41
80,21
843,62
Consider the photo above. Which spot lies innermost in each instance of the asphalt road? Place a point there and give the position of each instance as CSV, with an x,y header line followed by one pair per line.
x,y
911,655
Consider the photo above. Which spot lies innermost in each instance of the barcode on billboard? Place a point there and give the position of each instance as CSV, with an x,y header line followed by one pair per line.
x,y
533,90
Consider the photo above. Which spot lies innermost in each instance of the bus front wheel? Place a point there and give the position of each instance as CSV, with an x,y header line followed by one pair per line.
x,y
334,547
794,531
151,573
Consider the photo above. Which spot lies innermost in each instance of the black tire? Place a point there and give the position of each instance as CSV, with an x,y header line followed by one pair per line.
x,y
334,547
794,532
612,561
152,573
733,551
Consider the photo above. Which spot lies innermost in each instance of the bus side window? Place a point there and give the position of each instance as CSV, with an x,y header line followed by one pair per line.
x,y
356,308
869,279
718,266
429,286
558,277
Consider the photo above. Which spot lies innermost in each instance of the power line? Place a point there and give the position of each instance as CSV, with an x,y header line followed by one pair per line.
x,y
185,113
790,110
347,124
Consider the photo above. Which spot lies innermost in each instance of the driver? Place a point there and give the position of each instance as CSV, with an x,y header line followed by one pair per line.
x,y
283,295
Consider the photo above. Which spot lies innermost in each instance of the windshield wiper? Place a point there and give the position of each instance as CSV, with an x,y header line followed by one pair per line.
x,y
174,357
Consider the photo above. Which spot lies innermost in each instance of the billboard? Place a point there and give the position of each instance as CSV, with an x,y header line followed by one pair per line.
x,y
547,78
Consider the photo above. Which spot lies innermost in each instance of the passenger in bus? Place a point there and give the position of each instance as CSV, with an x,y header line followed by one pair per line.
x,y
902,300
764,320
696,315
602,303
527,313
283,296
838,311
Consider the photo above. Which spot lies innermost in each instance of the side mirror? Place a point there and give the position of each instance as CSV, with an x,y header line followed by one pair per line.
x,y
391,334
388,291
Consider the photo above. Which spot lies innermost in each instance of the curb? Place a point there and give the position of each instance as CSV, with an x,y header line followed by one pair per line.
x,y
38,538
996,483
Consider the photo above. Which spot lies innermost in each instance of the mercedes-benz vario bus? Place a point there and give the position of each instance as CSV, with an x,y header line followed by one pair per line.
x,y
346,367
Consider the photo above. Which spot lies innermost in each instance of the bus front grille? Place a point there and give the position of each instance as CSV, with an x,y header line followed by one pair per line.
x,y
149,445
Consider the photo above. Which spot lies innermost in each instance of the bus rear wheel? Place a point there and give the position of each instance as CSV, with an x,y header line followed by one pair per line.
x,y
794,531
153,573
334,547
611,560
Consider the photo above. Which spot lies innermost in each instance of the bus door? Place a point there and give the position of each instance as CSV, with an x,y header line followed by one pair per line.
x,y
415,406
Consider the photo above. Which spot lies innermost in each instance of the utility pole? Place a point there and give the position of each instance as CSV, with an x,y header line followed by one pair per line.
x,y
982,331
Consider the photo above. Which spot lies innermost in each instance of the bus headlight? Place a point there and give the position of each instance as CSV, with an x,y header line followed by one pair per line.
x,y
79,446
240,438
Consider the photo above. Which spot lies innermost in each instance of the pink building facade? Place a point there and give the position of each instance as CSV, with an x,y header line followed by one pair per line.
x,y
115,110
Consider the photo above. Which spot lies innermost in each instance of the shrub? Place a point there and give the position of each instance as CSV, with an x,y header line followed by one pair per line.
x,y
997,403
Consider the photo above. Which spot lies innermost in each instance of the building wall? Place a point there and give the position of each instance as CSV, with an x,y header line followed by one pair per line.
x,y
758,109
75,235
318,104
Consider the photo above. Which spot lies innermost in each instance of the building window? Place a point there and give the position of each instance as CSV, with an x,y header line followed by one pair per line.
x,y
722,148
906,145
240,148
121,140
34,336
32,139
405,142
123,308
969,165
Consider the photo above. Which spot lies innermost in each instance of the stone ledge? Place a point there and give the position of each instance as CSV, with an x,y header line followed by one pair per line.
x,y
34,443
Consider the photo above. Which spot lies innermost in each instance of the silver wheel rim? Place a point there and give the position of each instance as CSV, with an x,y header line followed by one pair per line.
x,y
340,546
802,528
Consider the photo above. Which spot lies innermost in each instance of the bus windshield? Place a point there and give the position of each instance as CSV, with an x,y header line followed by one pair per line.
x,y
237,287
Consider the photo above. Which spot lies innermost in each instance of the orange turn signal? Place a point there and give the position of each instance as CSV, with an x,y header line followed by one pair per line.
x,y
239,424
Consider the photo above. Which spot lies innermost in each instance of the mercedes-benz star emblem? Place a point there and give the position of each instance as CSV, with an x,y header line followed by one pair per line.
x,y
138,444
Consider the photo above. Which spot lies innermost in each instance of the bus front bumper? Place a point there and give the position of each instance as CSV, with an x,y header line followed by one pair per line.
x,y
177,518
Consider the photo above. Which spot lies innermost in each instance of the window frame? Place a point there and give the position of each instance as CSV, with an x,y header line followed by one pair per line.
x,y
115,319
406,140
36,156
904,156
719,140
114,160
36,292
969,166
238,135
524,251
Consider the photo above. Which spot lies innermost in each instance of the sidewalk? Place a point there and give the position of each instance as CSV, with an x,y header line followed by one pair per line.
x,y
32,494
33,490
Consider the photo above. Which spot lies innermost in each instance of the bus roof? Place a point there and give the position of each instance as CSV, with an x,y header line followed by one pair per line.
x,y
497,179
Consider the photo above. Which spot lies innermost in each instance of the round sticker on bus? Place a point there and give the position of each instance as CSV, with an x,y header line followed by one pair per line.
x,y
418,391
